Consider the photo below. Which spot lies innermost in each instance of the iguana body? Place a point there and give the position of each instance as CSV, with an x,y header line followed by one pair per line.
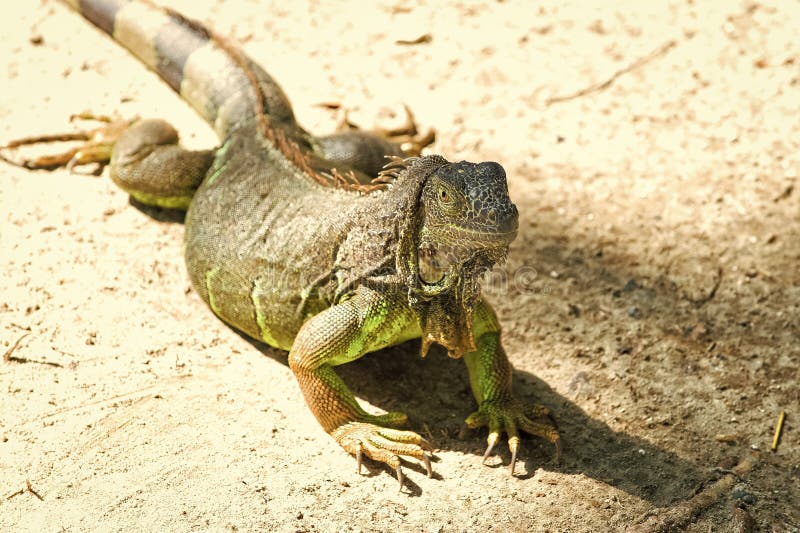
x,y
328,272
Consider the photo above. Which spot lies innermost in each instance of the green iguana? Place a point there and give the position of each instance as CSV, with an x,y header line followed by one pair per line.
x,y
311,244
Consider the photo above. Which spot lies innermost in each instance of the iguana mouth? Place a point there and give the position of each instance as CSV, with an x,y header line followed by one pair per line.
x,y
478,238
436,262
431,269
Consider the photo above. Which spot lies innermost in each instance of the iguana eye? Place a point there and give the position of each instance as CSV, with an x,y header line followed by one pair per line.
x,y
448,199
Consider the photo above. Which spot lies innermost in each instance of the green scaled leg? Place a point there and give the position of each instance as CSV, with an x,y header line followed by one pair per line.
x,y
340,334
490,375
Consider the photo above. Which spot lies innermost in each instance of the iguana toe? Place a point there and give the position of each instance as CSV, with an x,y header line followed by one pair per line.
x,y
547,431
96,147
394,419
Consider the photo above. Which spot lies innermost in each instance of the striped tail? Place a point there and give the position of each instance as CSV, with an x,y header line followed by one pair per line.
x,y
218,80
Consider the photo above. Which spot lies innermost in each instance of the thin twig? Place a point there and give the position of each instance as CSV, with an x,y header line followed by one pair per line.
x,y
15,359
661,50
682,514
7,356
700,302
15,494
776,439
30,489
27,488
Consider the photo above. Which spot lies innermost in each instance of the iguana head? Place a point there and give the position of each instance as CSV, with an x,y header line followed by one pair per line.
x,y
455,221
467,217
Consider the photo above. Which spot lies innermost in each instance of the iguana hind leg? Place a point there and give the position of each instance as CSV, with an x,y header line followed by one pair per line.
x,y
367,151
95,147
148,164
359,150
144,155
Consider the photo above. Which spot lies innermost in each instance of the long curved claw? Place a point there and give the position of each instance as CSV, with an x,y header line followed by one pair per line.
x,y
490,443
359,458
513,445
427,460
557,445
88,115
399,472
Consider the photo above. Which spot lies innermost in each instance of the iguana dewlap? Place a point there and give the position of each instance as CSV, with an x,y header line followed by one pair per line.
x,y
290,240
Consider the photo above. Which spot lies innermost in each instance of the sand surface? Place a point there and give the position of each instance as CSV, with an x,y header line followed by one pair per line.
x,y
652,298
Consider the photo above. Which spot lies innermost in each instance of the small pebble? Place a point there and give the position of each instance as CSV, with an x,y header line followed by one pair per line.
x,y
741,494
725,437
630,285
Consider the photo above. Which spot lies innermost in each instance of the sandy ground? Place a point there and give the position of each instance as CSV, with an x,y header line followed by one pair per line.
x,y
652,299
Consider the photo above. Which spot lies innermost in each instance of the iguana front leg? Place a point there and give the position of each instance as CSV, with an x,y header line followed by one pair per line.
x,y
342,333
490,376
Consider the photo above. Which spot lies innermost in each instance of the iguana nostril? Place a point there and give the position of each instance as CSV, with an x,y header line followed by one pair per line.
x,y
509,220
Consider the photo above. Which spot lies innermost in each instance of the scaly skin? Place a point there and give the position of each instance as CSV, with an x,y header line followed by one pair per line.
x,y
287,248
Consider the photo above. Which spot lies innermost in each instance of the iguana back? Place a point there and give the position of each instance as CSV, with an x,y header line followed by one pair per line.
x,y
262,232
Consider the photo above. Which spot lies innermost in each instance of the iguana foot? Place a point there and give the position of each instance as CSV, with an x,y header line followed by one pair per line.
x,y
406,135
510,416
95,150
382,444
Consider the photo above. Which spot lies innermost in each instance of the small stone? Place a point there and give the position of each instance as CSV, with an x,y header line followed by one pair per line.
x,y
728,438
741,494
